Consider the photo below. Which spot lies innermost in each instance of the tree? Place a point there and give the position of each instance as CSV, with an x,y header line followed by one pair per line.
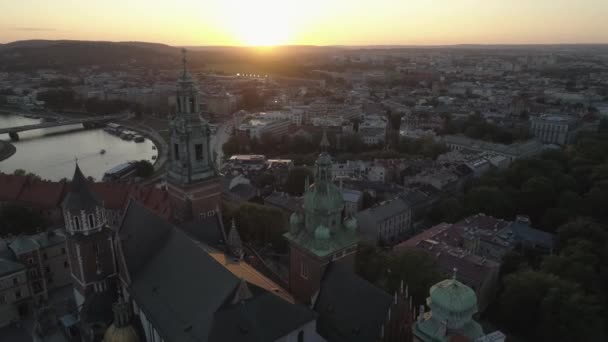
x,y
22,172
264,179
144,169
259,225
414,268
447,210
417,269
544,307
371,262
58,99
16,219
296,179
251,99
231,146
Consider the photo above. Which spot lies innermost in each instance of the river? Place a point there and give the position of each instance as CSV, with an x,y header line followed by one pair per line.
x,y
50,152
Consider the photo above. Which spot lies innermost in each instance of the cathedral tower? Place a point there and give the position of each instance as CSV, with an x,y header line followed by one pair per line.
x,y
89,239
321,234
192,180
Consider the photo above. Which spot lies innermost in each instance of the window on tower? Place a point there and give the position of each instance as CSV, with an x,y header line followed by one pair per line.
x,y
198,149
91,221
303,270
76,223
176,151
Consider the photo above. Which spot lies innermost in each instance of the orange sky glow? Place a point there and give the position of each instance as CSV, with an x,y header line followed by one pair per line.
x,y
310,22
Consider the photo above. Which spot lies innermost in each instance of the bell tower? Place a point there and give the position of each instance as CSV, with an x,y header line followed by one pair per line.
x,y
89,239
321,234
192,180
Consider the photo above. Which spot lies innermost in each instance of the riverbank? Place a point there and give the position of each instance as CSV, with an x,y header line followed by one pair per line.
x,y
6,150
155,137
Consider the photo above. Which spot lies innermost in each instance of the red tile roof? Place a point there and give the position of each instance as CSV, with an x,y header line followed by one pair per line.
x,y
49,195
42,194
113,195
10,187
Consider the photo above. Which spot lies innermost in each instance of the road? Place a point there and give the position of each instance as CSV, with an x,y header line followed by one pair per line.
x,y
220,137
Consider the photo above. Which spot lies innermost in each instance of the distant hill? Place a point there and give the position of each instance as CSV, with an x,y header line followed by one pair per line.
x,y
67,54
60,54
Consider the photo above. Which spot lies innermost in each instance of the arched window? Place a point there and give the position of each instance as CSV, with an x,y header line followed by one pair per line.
x,y
76,223
91,221
301,336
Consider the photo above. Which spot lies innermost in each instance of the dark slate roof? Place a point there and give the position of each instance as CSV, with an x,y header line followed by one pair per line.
x,y
248,321
15,333
180,287
9,267
207,229
243,192
350,309
523,232
80,195
386,210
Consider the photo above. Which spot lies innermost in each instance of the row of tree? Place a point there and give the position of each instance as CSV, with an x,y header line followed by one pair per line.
x,y
476,127
343,147
552,189
60,99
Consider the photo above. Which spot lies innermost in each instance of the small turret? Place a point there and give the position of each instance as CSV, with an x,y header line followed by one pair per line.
x,y
234,242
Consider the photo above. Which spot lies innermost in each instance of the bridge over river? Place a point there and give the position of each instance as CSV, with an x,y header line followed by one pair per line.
x,y
86,122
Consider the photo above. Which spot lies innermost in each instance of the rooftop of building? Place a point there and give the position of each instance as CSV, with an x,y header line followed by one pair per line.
x,y
384,210
199,300
8,267
515,149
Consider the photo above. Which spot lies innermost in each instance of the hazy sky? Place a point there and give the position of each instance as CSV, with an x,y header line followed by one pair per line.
x,y
319,22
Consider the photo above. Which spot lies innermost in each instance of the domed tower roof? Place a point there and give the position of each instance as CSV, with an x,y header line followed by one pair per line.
x,y
80,196
452,296
121,329
453,305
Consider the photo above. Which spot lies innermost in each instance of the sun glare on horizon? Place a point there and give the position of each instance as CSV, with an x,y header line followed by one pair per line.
x,y
261,23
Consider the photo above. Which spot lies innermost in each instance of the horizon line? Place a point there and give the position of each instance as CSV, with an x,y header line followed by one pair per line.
x,y
313,45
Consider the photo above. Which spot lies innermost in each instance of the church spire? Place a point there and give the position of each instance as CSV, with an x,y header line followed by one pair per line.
x,y
185,64
324,141
242,292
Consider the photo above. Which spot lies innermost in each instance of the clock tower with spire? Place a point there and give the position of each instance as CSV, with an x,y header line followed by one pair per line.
x,y
192,180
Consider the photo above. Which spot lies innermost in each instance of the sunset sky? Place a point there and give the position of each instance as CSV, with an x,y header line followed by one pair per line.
x,y
316,22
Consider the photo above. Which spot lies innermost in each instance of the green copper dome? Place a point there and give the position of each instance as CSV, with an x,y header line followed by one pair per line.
x,y
295,219
453,305
322,233
452,296
351,223
323,198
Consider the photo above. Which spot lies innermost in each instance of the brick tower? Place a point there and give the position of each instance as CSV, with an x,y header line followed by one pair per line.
x,y
89,240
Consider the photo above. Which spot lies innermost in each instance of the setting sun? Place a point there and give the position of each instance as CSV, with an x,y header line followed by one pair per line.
x,y
261,23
